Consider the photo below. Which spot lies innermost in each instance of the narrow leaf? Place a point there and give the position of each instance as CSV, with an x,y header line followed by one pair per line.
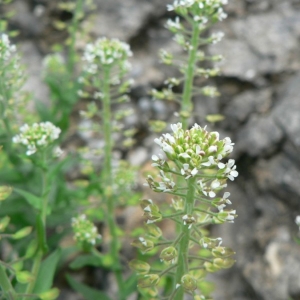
x,y
47,271
33,200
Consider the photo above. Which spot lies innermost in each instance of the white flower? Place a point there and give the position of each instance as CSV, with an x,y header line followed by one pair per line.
x,y
167,148
297,220
210,162
174,24
212,149
230,171
57,152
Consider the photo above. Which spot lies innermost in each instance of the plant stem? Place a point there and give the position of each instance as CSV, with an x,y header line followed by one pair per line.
x,y
39,255
182,268
187,104
110,201
6,284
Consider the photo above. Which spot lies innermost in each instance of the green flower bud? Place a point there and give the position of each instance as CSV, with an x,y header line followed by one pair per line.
x,y
224,263
189,282
169,254
209,243
151,211
153,231
145,245
222,252
149,280
141,267
209,267
178,204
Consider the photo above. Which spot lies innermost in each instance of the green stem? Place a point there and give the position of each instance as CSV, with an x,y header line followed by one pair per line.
x,y
183,268
107,171
5,284
187,104
42,244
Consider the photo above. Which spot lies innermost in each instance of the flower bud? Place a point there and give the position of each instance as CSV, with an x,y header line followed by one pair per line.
x,y
224,263
206,242
145,245
189,282
169,254
222,252
149,280
153,231
209,267
151,211
139,266
188,220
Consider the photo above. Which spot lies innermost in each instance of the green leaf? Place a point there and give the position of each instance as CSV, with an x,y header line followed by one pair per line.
x,y
46,273
85,260
87,292
33,200
22,233
130,286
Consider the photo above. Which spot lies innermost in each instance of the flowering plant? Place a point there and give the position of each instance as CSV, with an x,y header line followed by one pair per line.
x,y
196,156
190,27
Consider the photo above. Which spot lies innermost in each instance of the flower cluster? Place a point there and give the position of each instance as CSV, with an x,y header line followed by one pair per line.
x,y
38,136
106,52
85,232
6,49
194,149
200,9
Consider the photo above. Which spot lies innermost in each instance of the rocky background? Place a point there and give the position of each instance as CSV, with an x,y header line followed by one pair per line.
x,y
260,88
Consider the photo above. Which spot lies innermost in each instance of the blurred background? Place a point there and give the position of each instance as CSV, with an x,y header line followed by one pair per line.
x,y
260,99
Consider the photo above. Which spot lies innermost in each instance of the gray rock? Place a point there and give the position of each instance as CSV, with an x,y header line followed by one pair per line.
x,y
124,19
287,112
247,103
279,176
32,60
259,137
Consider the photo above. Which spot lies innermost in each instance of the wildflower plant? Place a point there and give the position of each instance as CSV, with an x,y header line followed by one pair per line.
x,y
104,81
194,18
197,157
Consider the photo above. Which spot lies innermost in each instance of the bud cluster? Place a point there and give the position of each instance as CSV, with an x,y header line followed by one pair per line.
x,y
85,232
106,52
37,136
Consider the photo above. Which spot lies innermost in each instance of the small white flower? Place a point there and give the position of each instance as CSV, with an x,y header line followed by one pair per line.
x,y
230,171
210,162
212,149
